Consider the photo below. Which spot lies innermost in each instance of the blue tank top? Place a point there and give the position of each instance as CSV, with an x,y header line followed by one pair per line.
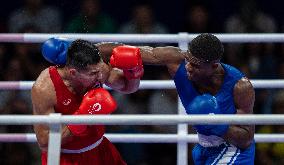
x,y
224,96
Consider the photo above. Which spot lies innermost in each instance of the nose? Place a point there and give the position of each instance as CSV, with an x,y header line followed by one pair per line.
x,y
99,77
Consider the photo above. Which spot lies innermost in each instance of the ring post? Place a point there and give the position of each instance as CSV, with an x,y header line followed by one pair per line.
x,y
54,141
182,149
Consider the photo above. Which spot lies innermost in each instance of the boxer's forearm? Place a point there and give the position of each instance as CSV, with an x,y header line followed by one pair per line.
x,y
106,49
240,136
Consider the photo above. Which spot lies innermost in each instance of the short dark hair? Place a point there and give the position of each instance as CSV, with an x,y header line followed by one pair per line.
x,y
82,53
206,47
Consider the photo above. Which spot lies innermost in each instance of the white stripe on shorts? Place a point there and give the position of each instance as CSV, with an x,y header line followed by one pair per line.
x,y
231,153
90,147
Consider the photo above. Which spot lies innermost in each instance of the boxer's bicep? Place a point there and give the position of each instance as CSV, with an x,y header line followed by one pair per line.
x,y
43,104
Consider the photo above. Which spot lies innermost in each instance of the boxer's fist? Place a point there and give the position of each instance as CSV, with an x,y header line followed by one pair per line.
x,y
128,58
97,101
55,50
206,104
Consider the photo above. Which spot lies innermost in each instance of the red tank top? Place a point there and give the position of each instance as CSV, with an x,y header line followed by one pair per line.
x,y
67,104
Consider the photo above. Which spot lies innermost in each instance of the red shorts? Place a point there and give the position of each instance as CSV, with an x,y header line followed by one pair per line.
x,y
103,154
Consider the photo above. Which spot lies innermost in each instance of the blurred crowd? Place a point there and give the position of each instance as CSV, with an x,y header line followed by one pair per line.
x,y
19,62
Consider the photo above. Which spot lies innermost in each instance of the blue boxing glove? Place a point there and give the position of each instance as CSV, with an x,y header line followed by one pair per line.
x,y
55,50
206,104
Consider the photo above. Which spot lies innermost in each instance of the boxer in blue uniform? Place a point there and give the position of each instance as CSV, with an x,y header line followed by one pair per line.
x,y
207,86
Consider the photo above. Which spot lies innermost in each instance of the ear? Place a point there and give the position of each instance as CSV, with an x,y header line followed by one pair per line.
x,y
72,72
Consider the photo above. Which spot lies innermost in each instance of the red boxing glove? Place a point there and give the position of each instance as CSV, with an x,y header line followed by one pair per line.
x,y
95,101
128,58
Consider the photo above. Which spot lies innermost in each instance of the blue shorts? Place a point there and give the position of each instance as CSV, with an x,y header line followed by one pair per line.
x,y
223,154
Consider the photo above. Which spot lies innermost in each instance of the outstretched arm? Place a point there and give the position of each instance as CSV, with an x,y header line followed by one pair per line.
x,y
161,55
153,56
169,56
244,96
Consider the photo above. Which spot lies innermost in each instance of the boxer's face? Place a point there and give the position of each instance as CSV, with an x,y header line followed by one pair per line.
x,y
197,69
93,74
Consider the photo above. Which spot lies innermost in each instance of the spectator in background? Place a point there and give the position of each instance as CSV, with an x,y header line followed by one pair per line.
x,y
47,19
143,21
91,19
163,102
278,108
134,103
29,56
24,63
269,60
197,20
272,153
3,59
14,72
249,19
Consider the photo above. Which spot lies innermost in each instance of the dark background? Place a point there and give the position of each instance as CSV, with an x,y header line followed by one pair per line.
x,y
171,13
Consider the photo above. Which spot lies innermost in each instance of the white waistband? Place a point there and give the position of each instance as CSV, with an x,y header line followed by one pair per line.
x,y
90,147
209,141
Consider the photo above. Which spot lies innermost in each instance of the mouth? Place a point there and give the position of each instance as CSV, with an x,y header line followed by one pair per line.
x,y
92,86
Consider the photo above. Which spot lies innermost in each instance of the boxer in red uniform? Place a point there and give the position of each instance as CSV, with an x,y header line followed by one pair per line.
x,y
75,88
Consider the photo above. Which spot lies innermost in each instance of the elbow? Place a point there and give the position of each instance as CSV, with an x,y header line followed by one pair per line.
x,y
43,147
131,90
245,145
239,138
246,142
128,91
42,142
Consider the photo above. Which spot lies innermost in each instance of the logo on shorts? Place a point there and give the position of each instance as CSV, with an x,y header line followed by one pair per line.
x,y
66,102
95,108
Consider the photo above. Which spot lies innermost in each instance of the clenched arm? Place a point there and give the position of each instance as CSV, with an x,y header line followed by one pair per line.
x,y
43,104
118,82
244,96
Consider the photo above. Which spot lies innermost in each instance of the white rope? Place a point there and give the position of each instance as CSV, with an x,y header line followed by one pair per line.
x,y
143,138
141,38
274,119
145,84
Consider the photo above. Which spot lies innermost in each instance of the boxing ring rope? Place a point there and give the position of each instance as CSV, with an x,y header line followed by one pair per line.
x,y
182,137
140,138
141,38
145,84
